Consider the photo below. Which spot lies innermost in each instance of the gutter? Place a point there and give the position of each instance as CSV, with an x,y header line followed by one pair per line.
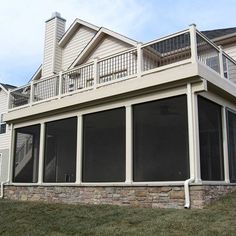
x,y
186,192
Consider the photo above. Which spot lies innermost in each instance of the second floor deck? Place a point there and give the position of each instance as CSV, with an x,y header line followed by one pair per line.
x,y
186,47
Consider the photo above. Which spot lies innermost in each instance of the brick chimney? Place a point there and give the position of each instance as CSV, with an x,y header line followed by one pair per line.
x,y
54,29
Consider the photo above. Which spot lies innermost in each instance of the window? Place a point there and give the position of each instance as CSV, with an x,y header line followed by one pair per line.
x,y
160,140
210,134
60,151
231,129
26,154
104,146
2,125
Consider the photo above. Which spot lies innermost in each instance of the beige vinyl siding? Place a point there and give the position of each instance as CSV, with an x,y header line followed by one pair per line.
x,y
107,46
54,30
230,50
76,44
58,50
4,138
49,48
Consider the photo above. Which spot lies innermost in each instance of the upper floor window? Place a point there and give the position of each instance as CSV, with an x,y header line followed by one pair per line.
x,y
2,125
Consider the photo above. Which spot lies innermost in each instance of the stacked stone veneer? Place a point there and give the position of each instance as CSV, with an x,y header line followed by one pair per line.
x,y
155,197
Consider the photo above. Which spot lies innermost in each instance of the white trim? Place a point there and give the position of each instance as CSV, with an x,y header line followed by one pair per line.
x,y
129,145
41,153
96,39
79,149
191,133
72,29
225,145
171,92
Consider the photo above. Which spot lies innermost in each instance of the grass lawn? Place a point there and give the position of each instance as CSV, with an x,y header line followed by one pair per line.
x,y
32,218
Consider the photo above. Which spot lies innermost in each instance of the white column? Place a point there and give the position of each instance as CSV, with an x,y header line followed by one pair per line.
x,y
129,145
225,146
139,59
193,42
11,153
221,62
197,164
41,153
79,149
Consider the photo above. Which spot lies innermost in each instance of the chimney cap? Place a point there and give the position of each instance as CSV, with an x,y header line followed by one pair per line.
x,y
55,15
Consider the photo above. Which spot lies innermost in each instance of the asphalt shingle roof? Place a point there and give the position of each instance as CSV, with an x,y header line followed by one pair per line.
x,y
212,34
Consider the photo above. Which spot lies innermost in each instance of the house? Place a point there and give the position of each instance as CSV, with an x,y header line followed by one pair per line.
x,y
4,132
109,120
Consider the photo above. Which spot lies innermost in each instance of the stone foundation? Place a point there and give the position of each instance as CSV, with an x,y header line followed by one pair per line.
x,y
153,197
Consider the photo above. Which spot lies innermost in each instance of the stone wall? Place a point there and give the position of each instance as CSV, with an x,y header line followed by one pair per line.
x,y
155,197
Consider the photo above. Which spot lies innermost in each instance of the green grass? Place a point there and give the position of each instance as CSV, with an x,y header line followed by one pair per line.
x,y
32,218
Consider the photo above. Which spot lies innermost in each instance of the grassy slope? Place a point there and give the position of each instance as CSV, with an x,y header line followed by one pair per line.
x,y
30,218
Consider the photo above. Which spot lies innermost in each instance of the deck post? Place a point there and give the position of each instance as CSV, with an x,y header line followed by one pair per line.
x,y
79,150
139,59
193,42
95,72
60,85
31,100
221,62
129,145
41,153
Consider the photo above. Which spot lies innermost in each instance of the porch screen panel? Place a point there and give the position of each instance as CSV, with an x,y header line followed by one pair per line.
x,y
210,135
231,129
160,140
104,146
60,151
26,154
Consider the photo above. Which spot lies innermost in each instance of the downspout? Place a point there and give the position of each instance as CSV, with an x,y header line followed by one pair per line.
x,y
2,188
186,192
191,146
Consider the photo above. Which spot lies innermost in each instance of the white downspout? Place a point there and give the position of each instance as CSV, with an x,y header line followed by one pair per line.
x,y
191,146
2,187
186,192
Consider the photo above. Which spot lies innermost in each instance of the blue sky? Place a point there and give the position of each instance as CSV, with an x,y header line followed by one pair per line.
x,y
22,24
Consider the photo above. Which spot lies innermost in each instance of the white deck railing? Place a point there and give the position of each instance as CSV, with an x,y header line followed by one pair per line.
x,y
188,44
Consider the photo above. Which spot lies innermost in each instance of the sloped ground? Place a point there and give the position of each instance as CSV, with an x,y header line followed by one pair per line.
x,y
32,218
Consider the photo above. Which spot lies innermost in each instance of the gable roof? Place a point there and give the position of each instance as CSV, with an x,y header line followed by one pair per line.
x,y
6,87
37,75
218,34
72,29
95,41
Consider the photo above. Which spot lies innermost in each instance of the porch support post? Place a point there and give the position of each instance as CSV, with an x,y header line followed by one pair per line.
x,y
129,145
193,42
79,149
197,164
41,153
225,146
191,132
11,153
